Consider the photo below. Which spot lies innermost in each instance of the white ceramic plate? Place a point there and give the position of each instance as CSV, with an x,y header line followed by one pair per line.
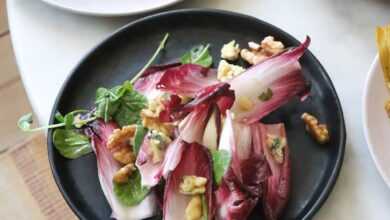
x,y
110,7
375,120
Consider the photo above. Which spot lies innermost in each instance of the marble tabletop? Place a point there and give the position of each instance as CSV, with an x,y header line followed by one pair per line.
x,y
49,42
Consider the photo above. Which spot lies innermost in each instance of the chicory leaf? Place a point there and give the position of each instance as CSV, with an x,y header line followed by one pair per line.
x,y
198,55
221,160
132,192
269,85
71,144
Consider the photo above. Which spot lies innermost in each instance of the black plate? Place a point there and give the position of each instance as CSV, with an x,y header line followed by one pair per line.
x,y
314,168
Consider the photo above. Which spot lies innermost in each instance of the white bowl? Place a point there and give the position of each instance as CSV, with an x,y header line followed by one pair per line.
x,y
376,123
110,7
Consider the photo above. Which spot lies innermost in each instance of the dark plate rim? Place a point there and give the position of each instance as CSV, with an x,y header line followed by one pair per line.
x,y
341,148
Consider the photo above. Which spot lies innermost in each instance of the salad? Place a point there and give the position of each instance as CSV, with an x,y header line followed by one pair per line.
x,y
184,140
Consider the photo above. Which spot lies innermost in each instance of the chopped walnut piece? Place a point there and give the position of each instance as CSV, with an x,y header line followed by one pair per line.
x,y
253,57
150,117
194,209
121,137
119,144
124,155
260,52
254,46
193,185
387,107
270,46
318,131
153,123
123,174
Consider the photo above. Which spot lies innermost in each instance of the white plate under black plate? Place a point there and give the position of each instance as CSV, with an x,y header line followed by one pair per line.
x,y
314,167
110,8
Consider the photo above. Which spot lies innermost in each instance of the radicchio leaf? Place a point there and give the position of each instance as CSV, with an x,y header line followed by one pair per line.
x,y
241,185
277,186
191,128
195,161
187,79
171,108
172,156
146,85
150,171
153,172
269,84
219,94
107,166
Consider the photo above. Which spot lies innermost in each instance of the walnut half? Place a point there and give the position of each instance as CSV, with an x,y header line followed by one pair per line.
x,y
194,209
260,52
387,108
123,174
119,144
193,185
318,131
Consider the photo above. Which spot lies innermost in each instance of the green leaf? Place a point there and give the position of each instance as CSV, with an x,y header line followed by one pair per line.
x,y
221,161
121,103
25,122
105,102
198,55
132,192
68,120
71,144
59,117
139,138
129,108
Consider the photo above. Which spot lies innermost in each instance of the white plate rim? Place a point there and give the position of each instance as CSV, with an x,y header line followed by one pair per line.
x,y
108,14
367,135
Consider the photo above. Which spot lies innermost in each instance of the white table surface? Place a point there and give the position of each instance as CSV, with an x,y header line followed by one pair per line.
x,y
49,42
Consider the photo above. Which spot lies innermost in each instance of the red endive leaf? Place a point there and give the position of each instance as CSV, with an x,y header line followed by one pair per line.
x,y
146,85
187,79
242,183
277,186
191,128
172,156
150,171
269,85
195,161
107,166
